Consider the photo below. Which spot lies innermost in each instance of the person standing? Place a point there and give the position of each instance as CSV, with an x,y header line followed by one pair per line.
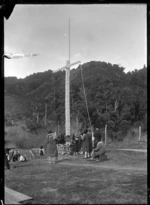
x,y
83,135
82,143
76,145
97,136
51,147
73,143
87,143
79,144
90,142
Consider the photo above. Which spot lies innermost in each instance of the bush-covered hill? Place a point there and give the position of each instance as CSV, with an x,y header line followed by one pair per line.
x,y
114,97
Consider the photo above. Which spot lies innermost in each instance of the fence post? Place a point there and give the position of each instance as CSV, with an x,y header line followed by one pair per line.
x,y
105,134
139,133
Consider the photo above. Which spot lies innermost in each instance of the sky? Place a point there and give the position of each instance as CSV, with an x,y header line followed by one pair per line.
x,y
114,33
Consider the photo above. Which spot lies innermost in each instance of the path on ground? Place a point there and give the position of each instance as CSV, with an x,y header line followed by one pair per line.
x,y
99,166
134,150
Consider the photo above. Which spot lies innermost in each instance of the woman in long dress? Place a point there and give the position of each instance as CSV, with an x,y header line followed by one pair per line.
x,y
88,144
51,147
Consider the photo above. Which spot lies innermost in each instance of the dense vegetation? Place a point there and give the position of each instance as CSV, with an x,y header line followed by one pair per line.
x,y
114,97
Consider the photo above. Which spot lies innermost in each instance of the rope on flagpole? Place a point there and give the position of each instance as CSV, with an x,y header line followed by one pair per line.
x,y
85,98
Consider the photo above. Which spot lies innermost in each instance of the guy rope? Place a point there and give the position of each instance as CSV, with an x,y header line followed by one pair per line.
x,y
67,90
89,119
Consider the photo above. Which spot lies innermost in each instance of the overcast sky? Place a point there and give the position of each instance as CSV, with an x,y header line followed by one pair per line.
x,y
114,33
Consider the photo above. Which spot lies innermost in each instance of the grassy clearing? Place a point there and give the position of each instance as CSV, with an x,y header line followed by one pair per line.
x,y
69,184
74,183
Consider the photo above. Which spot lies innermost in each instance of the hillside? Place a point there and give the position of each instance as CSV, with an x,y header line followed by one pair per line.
x,y
113,96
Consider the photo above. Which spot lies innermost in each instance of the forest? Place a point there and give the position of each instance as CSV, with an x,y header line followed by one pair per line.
x,y
114,97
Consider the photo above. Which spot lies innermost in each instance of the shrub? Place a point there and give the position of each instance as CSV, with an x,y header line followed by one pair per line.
x,y
76,126
32,125
17,135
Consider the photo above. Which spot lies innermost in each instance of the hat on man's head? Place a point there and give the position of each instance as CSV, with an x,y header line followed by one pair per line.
x,y
85,131
50,131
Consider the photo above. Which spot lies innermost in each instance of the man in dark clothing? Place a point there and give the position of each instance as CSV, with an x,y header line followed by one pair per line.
x,y
88,144
97,136
99,150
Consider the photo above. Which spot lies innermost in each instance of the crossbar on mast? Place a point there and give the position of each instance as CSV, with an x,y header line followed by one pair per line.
x,y
67,89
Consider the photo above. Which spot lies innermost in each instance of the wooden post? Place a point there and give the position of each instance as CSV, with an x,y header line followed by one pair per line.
x,y
67,94
67,100
139,133
45,113
67,90
105,134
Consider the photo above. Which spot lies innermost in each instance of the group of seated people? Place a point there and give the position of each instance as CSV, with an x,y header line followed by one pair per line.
x,y
13,156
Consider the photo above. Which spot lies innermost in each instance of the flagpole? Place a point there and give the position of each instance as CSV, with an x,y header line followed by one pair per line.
x,y
67,92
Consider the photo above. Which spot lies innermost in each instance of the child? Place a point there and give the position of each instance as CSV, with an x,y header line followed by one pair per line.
x,y
41,151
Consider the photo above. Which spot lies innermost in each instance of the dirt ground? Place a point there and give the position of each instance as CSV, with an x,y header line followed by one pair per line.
x,y
122,179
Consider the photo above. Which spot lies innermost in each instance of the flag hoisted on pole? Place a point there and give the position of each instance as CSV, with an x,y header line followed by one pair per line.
x,y
67,89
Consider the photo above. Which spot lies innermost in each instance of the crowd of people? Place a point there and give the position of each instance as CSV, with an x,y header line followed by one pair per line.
x,y
88,143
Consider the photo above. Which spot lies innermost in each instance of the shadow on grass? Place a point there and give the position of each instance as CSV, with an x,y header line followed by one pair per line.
x,y
20,165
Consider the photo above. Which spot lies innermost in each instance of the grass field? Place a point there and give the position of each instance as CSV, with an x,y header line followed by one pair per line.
x,y
122,179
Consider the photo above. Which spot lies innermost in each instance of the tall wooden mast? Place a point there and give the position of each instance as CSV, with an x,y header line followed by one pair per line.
x,y
67,89
67,92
